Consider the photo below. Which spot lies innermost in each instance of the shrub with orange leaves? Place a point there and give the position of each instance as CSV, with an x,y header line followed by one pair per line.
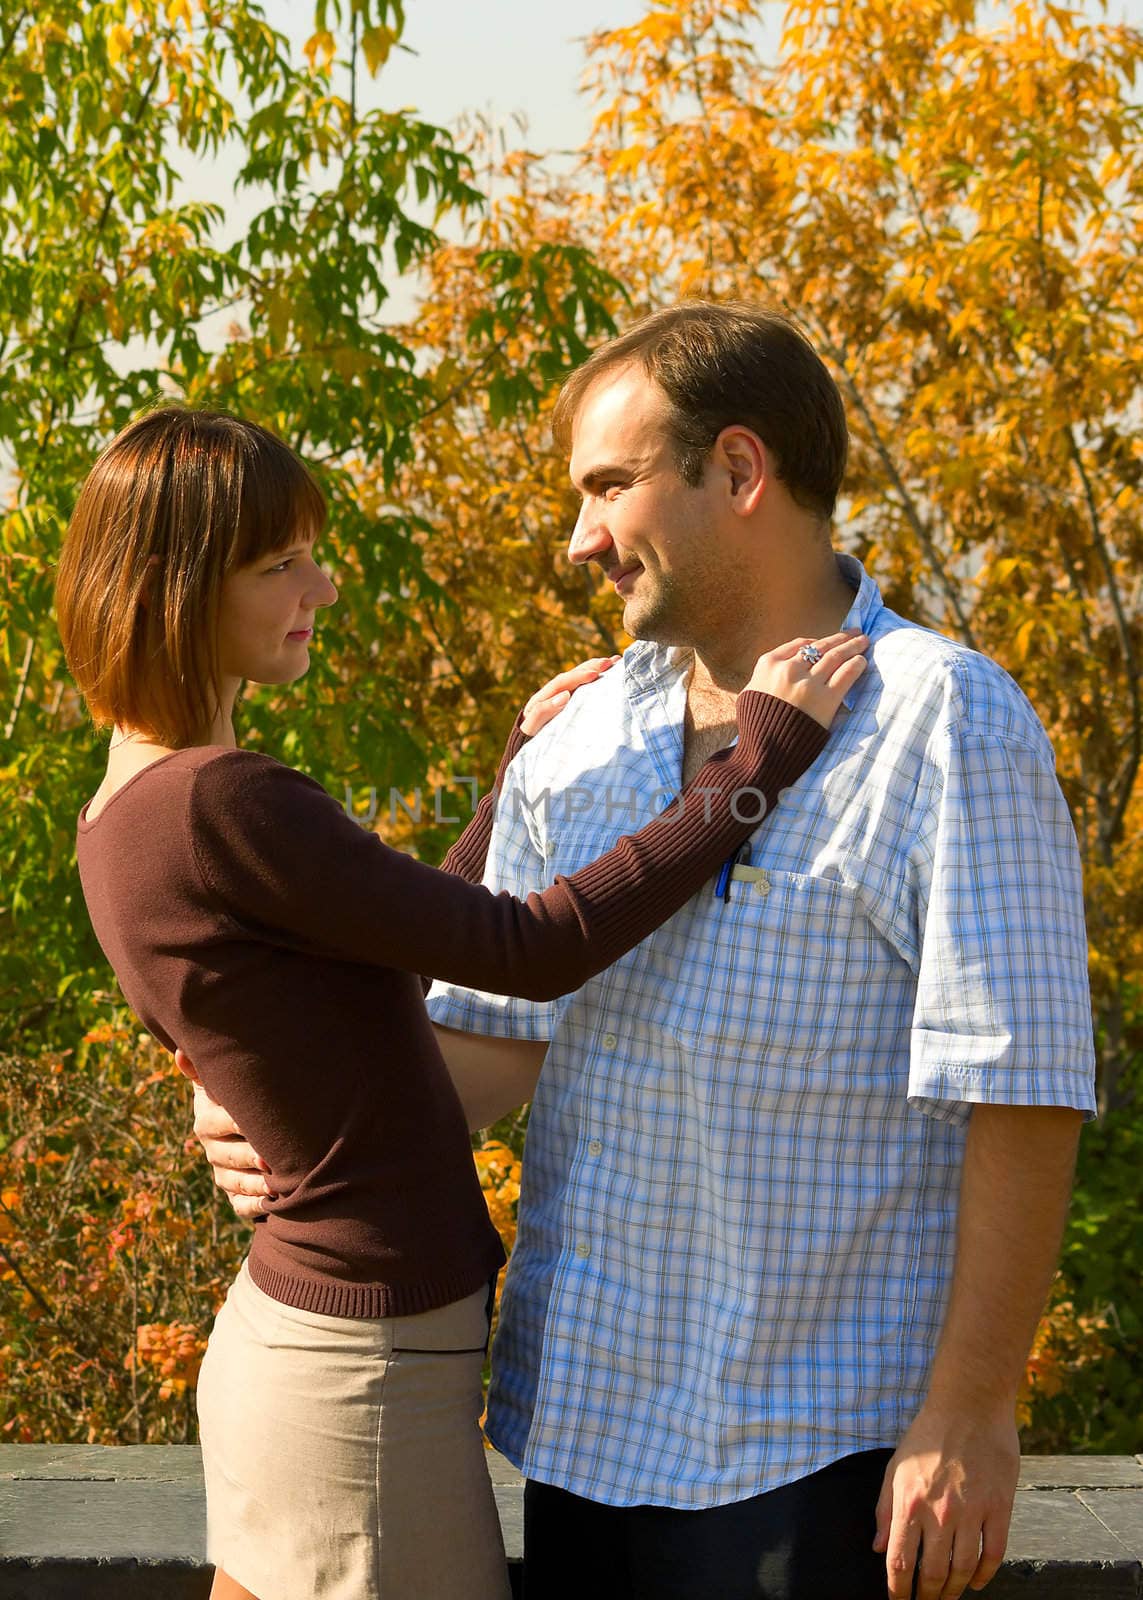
x,y
115,1247
498,1167
115,1251
173,1351
1068,1346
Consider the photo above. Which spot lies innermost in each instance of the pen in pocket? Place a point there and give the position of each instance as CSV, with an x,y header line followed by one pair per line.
x,y
740,857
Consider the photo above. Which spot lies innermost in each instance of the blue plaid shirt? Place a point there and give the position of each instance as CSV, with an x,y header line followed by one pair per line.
x,y
739,1202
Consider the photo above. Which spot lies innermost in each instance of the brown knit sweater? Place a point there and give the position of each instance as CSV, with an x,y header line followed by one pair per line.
x,y
250,921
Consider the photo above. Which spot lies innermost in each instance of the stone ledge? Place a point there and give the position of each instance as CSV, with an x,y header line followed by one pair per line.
x,y
93,1522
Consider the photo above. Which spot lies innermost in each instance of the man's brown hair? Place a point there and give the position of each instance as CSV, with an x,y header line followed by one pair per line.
x,y
177,500
722,365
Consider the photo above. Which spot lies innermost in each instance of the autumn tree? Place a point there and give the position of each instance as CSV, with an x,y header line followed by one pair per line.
x,y
106,284
947,197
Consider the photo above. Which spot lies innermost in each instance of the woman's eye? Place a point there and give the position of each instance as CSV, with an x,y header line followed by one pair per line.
x,y
281,567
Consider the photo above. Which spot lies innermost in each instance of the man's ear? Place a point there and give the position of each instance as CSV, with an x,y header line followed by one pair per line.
x,y
743,458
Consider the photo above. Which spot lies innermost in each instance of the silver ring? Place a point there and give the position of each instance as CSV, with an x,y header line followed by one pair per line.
x,y
810,654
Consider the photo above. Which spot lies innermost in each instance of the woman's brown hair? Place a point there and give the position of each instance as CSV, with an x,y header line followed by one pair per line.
x,y
177,500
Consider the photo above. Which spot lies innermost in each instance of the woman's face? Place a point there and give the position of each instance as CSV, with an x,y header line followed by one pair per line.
x,y
267,612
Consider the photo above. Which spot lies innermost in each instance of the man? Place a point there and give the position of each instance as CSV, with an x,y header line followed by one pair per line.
x,y
797,1167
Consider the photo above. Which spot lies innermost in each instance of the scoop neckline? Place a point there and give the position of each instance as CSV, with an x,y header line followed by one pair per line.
x,y
86,823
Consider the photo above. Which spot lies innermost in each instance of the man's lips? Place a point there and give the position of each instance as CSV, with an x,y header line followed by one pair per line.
x,y
624,577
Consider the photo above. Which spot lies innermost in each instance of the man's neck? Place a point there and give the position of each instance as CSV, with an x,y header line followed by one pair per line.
x,y
807,605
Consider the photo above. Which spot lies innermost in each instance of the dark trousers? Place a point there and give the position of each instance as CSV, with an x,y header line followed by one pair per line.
x,y
808,1540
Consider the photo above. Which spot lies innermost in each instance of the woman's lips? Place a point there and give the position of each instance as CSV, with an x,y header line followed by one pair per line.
x,y
302,634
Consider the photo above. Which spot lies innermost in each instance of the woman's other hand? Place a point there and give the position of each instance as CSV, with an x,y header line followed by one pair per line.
x,y
549,701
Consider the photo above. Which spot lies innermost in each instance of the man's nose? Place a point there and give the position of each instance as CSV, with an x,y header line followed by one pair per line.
x,y
589,539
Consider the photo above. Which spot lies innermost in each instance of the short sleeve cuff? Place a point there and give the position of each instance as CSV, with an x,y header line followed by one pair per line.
x,y
950,1073
494,1016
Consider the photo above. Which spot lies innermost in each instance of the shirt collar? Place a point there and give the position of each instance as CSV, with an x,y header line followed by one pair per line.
x,y
648,665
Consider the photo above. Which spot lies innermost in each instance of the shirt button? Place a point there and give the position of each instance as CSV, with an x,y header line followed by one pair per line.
x,y
762,885
583,1248
609,1041
595,1147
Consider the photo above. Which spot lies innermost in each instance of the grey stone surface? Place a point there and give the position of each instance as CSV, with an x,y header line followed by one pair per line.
x,y
85,1523
1051,1525
1081,1472
179,1463
1120,1514
151,1519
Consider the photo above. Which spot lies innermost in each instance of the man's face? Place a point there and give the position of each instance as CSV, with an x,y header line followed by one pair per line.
x,y
654,537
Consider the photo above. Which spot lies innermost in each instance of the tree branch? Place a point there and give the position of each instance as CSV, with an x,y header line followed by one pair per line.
x,y
18,1273
21,688
908,504
6,48
1123,632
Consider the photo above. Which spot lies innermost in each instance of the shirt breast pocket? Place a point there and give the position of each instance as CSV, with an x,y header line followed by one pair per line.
x,y
767,974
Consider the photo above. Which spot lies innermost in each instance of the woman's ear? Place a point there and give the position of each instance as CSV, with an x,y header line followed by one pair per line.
x,y
148,581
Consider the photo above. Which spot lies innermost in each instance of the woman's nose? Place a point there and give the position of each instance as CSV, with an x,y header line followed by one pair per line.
x,y
324,591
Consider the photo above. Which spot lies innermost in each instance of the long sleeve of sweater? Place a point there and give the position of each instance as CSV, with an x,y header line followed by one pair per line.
x,y
280,857
467,857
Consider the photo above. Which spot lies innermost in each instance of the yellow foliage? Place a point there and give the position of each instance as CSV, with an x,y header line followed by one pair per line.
x,y
1065,1343
376,44
498,1168
119,41
321,45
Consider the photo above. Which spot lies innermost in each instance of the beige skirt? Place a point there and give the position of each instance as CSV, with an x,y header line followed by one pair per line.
x,y
343,1456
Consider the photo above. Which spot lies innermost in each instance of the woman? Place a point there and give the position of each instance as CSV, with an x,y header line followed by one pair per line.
x,y
251,922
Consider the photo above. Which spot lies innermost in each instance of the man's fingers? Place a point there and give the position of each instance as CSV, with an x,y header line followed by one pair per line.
x,y
247,1208
884,1513
247,1183
232,1155
994,1542
936,1553
901,1557
965,1555
212,1121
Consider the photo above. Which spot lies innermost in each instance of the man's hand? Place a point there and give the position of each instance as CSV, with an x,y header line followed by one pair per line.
x,y
950,1485
948,1493
238,1168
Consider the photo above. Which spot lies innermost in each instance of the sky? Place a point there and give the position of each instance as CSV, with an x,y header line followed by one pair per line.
x,y
508,56
499,57
504,59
